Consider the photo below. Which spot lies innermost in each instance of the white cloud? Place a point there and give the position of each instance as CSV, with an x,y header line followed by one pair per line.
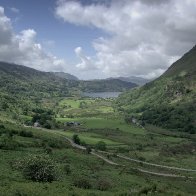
x,y
14,10
23,48
86,63
144,36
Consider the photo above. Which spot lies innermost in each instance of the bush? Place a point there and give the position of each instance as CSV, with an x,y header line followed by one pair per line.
x,y
47,125
76,139
26,134
82,182
101,146
55,144
39,168
88,149
103,185
2,127
67,169
8,143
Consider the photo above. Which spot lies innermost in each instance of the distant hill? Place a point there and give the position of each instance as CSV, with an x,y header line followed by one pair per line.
x,y
133,79
18,79
108,85
65,75
170,100
22,88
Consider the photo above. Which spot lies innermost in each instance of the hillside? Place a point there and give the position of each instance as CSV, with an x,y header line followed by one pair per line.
x,y
107,85
133,79
18,79
168,101
22,88
65,75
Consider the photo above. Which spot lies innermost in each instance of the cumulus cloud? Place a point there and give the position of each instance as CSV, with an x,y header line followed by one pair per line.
x,y
145,37
86,63
23,49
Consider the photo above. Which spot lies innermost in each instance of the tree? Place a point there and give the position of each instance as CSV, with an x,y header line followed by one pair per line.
x,y
39,168
76,139
88,149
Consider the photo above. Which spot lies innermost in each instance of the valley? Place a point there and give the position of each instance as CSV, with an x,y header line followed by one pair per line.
x,y
99,137
131,159
98,98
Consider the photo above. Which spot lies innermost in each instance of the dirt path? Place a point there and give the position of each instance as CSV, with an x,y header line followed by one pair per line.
x,y
84,148
113,163
124,157
156,165
162,174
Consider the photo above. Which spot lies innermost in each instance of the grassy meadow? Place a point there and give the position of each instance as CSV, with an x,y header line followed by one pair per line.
x,y
79,173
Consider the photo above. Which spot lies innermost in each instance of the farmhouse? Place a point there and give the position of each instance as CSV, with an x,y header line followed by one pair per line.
x,y
36,124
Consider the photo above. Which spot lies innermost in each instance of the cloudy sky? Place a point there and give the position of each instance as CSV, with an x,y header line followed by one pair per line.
x,y
97,38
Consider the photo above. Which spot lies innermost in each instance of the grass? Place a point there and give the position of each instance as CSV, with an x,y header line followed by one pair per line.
x,y
120,138
100,123
123,181
90,138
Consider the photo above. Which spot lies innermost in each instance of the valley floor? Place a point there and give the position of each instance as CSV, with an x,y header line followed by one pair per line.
x,y
134,161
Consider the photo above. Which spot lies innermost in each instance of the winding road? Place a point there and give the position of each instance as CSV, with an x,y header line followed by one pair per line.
x,y
93,152
156,165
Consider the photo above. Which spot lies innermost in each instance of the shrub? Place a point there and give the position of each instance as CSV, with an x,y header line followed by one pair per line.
x,y
47,125
76,139
88,149
83,143
39,168
103,185
67,169
82,182
48,150
55,144
2,127
101,146
26,134
8,143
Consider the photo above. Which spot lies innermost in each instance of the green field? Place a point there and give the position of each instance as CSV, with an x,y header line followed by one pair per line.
x,y
118,180
120,138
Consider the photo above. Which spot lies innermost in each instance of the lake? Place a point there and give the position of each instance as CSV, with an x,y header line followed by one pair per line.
x,y
102,94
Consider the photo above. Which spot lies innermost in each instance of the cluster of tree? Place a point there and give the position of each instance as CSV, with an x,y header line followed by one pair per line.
x,y
179,118
44,117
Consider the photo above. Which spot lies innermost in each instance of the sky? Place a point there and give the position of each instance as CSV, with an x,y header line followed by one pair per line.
x,y
97,38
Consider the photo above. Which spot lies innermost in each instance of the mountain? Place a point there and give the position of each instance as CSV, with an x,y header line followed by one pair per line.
x,y
107,85
170,100
133,79
23,88
18,79
65,75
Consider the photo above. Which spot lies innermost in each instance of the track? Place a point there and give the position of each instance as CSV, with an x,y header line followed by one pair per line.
x,y
127,158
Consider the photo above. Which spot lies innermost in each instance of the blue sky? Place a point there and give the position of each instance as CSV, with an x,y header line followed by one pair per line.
x,y
40,15
97,38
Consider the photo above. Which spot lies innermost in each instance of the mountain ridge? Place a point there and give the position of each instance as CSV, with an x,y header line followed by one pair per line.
x,y
168,101
133,79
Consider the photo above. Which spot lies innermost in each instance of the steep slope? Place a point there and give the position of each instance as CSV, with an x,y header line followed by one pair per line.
x,y
17,79
21,88
170,100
